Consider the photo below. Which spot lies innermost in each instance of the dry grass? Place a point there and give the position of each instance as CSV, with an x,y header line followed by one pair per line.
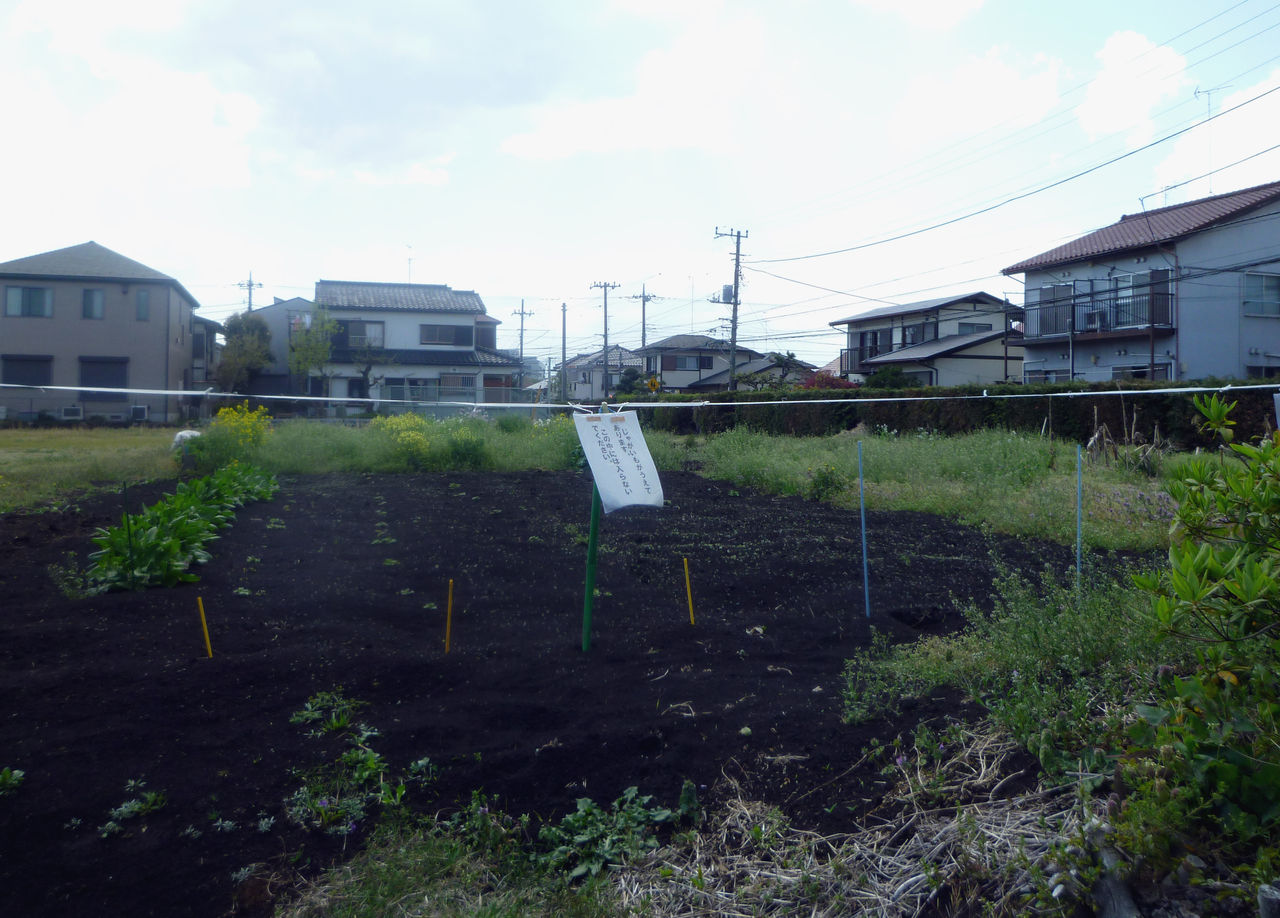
x,y
954,834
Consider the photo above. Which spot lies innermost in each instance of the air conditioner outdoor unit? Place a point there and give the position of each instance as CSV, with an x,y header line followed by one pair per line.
x,y
72,413
1096,320
139,412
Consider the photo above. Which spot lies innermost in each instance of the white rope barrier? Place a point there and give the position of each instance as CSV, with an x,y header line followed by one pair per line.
x,y
594,407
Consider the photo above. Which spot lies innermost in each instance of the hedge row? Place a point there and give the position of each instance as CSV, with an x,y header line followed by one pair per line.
x,y
963,409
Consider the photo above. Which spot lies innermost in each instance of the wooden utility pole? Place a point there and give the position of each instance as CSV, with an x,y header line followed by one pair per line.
x,y
733,323
564,355
606,287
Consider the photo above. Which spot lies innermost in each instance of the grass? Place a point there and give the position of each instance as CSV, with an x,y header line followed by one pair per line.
x,y
41,466
1013,483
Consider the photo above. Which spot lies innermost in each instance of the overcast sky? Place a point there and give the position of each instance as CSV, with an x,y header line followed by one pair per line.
x,y
526,150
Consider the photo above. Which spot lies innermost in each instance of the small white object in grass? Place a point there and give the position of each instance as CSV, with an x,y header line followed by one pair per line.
x,y
183,436
745,731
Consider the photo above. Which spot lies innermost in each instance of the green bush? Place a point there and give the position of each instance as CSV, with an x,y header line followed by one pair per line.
x,y
1211,736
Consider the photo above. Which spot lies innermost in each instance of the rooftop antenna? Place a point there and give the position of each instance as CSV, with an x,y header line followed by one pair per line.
x,y
1208,114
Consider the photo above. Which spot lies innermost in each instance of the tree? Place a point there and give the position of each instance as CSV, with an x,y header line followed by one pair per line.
x,y
789,367
246,352
630,382
890,377
311,346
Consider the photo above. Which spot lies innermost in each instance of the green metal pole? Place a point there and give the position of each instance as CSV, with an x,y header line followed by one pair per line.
x,y
592,541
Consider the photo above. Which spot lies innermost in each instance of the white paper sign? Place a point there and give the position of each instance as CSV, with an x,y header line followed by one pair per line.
x,y
619,458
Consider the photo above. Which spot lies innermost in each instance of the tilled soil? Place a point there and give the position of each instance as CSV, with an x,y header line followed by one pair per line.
x,y
343,581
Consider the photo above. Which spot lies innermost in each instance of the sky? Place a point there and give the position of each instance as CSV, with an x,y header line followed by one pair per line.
x,y
870,151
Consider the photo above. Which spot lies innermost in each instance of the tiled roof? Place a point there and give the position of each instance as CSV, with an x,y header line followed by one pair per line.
x,y
947,344
923,306
1141,230
749,368
618,356
87,261
430,357
401,297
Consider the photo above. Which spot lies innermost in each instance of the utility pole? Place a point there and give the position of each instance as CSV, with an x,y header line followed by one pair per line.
x,y
522,314
606,287
249,285
564,355
644,299
733,326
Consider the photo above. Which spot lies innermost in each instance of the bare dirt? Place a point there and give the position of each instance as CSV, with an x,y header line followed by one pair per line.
x,y
343,581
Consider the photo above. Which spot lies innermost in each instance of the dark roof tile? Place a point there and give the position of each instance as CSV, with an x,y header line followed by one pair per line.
x,y
399,297
1153,227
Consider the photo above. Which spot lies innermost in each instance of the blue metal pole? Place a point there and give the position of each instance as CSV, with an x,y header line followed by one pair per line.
x,y
862,503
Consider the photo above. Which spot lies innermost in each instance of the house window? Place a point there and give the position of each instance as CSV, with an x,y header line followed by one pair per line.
x,y
357,388
393,388
142,301
457,381
873,343
919,333
106,373
92,304
365,334
972,328
28,301
26,370
455,335
693,362
1262,294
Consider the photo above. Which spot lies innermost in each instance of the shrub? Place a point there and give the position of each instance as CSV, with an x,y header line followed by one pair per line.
x,y
233,435
1212,738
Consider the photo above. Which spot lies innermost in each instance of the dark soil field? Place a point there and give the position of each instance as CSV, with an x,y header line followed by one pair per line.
x,y
342,581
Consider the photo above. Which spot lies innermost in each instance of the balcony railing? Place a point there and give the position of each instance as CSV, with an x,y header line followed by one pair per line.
x,y
1097,315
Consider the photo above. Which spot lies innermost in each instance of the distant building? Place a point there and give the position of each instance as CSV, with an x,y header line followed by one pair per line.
x,y
948,341
1181,292
683,363
417,342
88,316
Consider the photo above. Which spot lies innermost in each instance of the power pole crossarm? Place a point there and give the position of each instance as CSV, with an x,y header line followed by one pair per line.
x,y
522,313
606,287
738,236
249,285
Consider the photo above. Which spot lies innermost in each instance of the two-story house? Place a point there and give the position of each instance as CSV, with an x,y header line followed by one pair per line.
x,y
414,342
947,341
88,316
585,374
1181,292
682,362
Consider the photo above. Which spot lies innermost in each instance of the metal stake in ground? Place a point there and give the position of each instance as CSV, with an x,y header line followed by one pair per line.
x,y
593,540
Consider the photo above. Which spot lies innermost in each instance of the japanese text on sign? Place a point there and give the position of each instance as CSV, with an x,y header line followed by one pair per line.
x,y
619,458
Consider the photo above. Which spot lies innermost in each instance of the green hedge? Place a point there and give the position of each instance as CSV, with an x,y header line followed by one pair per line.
x,y
963,409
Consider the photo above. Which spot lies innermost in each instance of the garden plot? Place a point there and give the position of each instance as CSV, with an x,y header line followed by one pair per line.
x,y
342,581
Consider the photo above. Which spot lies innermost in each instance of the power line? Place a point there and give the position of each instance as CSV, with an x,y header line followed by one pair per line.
x,y
1017,197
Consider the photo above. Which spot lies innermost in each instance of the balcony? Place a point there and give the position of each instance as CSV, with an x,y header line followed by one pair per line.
x,y
1109,317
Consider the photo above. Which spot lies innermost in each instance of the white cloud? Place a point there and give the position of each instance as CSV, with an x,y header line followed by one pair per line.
x,y
430,172
683,98
978,94
931,14
1136,75
1227,139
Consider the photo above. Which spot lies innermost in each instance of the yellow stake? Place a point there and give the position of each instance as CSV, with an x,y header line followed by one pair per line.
x,y
204,625
448,619
688,589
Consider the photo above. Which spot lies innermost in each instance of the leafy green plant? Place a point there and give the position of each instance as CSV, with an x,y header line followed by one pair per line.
x,y
1212,735
591,838
158,546
10,780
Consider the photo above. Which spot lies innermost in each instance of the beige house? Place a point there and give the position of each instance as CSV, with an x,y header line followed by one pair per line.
x,y
88,316
949,341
